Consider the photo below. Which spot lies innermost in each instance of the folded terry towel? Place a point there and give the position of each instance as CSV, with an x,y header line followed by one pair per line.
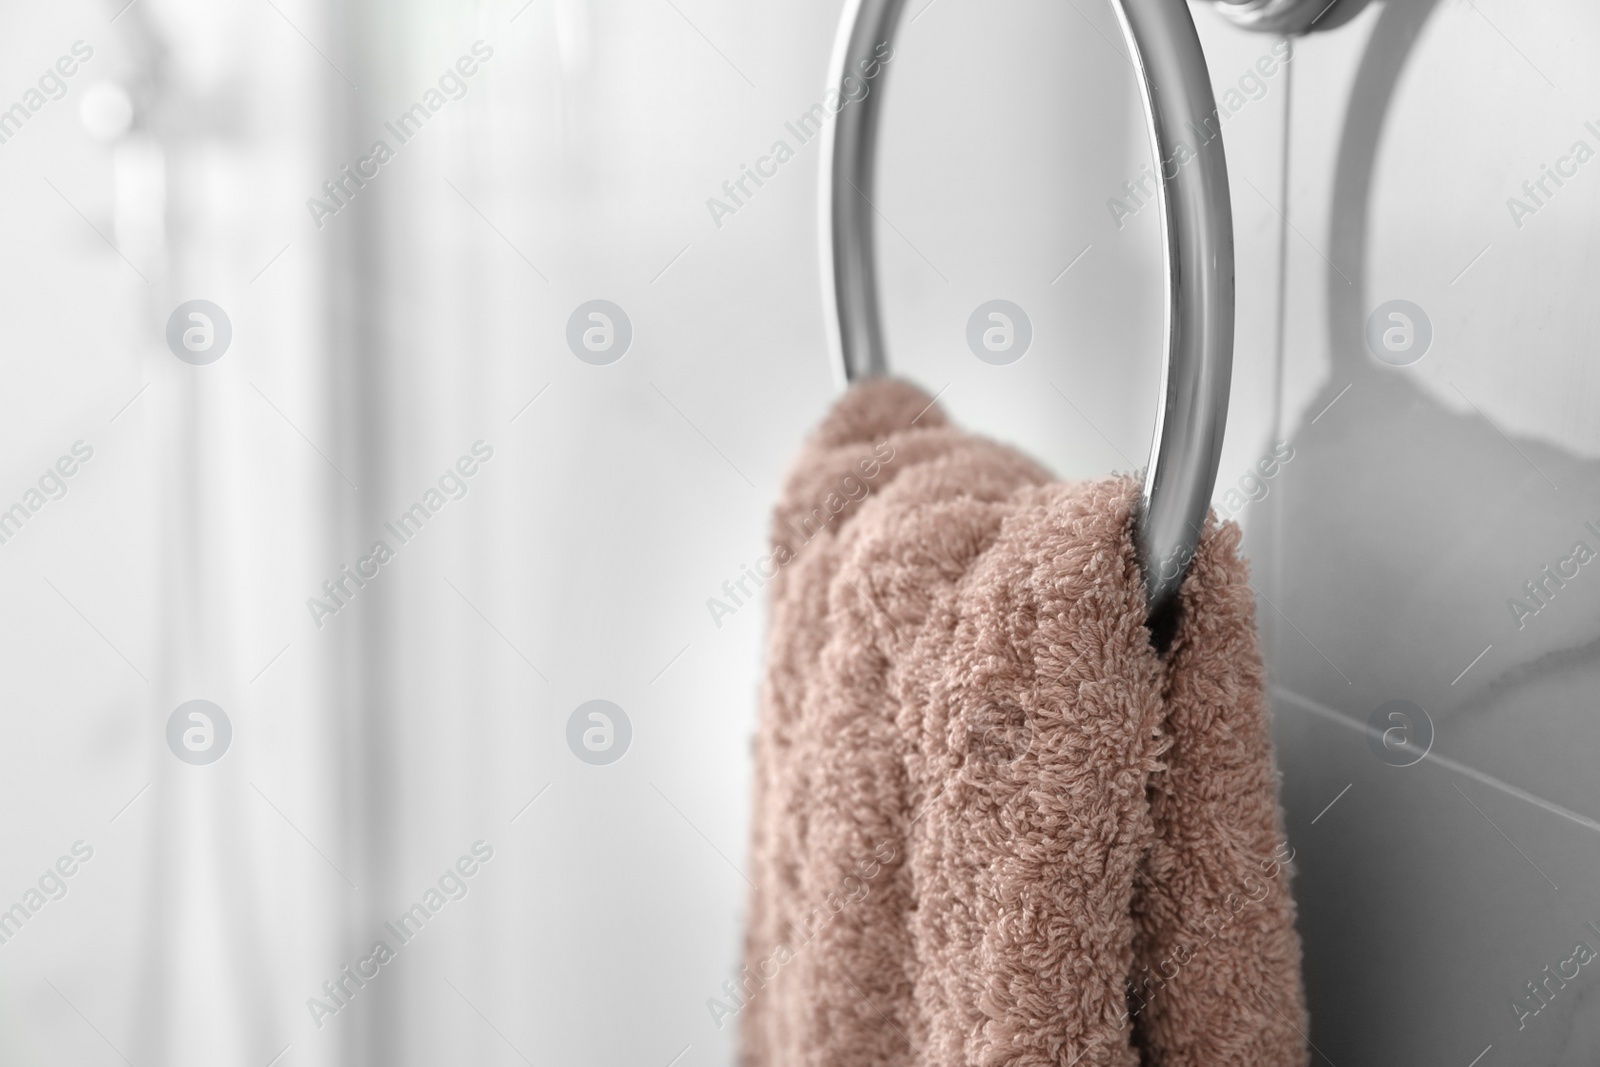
x,y
992,825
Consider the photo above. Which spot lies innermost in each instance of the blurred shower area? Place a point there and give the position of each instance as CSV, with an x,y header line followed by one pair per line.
x,y
391,388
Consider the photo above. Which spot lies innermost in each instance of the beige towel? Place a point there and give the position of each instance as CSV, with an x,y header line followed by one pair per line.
x,y
991,825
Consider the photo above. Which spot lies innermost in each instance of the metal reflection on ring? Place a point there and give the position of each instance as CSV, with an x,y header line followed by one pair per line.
x,y
1275,16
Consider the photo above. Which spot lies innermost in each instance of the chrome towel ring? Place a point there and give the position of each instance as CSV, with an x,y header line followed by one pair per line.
x,y
1197,229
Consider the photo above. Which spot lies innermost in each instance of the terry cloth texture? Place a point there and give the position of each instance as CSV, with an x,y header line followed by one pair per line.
x,y
991,825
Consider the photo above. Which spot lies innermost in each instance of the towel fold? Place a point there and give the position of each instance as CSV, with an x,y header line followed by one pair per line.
x,y
991,825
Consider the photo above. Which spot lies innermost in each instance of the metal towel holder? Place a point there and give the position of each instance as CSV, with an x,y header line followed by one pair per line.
x,y
1197,231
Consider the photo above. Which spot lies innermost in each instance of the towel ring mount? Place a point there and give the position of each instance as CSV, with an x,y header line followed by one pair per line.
x,y
1197,231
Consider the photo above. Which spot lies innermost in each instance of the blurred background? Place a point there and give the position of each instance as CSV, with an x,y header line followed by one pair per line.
x,y
390,347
